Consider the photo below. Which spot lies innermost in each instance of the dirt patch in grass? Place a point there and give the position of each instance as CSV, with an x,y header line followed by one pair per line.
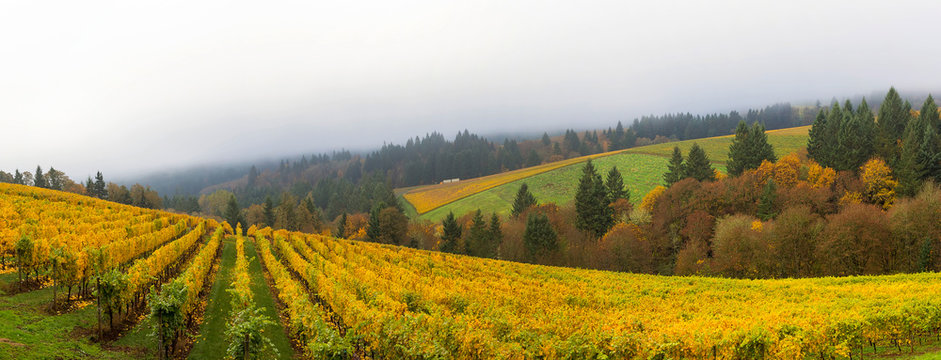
x,y
10,342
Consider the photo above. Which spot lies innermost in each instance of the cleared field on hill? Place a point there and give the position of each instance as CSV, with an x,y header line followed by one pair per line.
x,y
433,202
641,173
784,141
426,198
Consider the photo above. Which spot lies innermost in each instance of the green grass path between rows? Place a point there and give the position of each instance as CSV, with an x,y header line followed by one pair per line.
x,y
212,343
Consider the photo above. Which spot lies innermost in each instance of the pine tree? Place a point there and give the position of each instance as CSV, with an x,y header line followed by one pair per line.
x,y
917,156
451,234
739,156
268,211
615,186
545,139
759,147
867,131
676,170
18,177
909,170
477,242
854,140
766,203
372,225
893,118
835,121
39,180
929,155
539,236
101,190
817,142
233,214
496,235
90,187
929,152
524,200
341,226
592,213
698,166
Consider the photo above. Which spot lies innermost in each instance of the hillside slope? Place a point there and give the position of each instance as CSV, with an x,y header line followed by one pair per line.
x,y
400,302
408,303
641,167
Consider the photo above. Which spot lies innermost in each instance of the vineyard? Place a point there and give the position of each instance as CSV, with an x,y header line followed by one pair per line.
x,y
87,278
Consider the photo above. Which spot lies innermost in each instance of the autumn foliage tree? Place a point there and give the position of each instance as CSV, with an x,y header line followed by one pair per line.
x,y
879,184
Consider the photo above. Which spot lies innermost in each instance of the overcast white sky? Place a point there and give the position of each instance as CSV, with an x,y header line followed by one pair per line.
x,y
129,86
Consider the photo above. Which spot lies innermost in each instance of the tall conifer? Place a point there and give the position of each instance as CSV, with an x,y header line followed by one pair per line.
x,y
698,165
592,213
675,170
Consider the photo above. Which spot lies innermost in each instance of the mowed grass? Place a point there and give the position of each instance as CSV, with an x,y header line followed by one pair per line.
x,y
212,343
427,198
784,141
642,171
27,331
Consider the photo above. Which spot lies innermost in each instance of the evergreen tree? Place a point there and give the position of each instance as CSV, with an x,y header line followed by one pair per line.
x,y
341,226
18,177
451,234
539,236
676,169
817,142
496,235
524,200
698,166
854,141
478,237
372,226
90,187
268,211
739,157
233,214
892,120
749,148
929,155
759,147
615,186
915,160
835,121
929,152
545,139
766,203
39,180
101,190
533,158
592,213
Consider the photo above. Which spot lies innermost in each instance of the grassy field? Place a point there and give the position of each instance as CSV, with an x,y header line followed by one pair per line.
x,y
28,331
212,343
427,198
641,173
642,168
784,141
